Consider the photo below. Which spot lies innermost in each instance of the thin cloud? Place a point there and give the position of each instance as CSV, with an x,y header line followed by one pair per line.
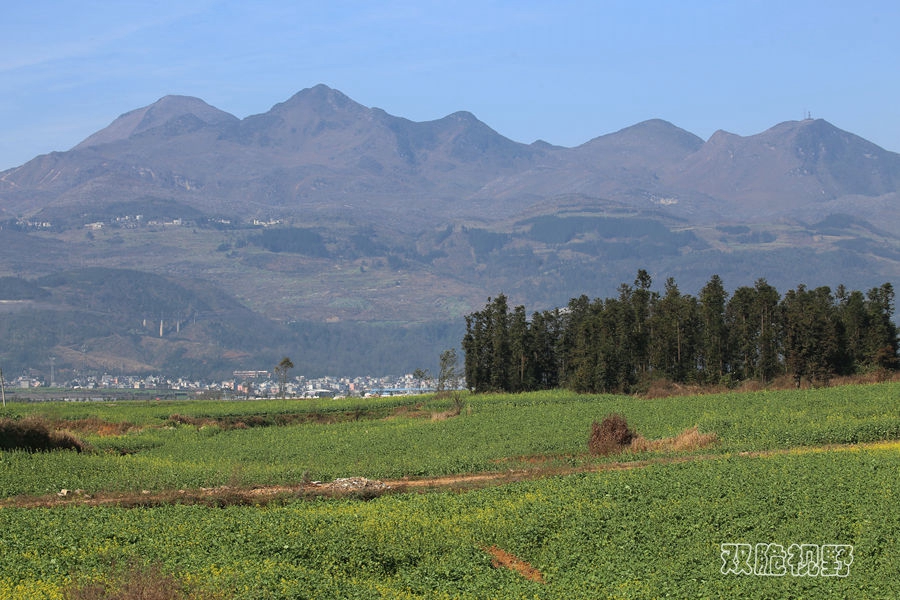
x,y
88,36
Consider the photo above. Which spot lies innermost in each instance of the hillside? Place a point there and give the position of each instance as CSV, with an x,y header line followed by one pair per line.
x,y
344,218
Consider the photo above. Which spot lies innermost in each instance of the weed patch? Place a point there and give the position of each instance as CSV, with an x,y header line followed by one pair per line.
x,y
137,582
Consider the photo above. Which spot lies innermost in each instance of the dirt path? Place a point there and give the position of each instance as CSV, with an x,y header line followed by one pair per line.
x,y
363,488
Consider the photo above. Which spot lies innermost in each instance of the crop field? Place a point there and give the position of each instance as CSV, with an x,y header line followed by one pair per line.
x,y
797,497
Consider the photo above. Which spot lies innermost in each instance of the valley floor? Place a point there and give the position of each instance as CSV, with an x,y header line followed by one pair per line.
x,y
407,498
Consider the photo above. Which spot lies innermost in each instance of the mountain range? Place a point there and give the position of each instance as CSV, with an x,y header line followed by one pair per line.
x,y
181,236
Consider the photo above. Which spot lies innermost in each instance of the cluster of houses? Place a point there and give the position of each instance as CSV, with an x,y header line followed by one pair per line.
x,y
243,384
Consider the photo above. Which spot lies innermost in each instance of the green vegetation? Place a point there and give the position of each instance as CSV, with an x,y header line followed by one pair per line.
x,y
613,237
296,240
590,531
104,320
373,438
620,344
631,534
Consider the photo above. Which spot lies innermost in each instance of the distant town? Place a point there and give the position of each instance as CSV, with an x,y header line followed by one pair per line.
x,y
243,385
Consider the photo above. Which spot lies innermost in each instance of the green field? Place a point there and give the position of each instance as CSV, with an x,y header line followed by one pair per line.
x,y
791,467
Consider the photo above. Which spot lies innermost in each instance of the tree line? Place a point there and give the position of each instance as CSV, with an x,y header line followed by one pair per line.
x,y
613,345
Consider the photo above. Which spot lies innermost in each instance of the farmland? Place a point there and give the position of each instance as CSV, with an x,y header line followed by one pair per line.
x,y
790,467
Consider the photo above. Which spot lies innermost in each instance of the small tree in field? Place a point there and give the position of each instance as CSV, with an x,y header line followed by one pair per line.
x,y
420,375
281,371
449,378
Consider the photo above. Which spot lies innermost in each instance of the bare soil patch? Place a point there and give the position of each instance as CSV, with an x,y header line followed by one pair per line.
x,y
502,558
366,489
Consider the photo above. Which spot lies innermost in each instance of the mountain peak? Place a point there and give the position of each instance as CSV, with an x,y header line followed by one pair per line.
x,y
650,144
779,170
816,140
721,137
659,130
463,115
159,113
319,99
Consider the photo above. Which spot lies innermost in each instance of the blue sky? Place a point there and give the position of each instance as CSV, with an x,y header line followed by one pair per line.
x,y
561,71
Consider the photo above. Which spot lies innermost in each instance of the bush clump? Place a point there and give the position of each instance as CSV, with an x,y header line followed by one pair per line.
x,y
610,436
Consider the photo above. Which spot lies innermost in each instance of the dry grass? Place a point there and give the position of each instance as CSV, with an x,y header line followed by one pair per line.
x,y
446,414
663,388
613,436
455,409
878,376
686,441
408,412
96,426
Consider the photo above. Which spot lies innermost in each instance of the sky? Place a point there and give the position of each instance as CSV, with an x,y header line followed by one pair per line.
x,y
564,71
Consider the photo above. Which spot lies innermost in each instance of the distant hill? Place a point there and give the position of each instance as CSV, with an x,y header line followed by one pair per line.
x,y
796,169
174,113
323,215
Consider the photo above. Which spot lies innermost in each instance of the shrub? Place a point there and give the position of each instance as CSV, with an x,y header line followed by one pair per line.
x,y
610,436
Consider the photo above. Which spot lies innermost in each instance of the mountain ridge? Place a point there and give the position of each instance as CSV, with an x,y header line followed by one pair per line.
x,y
456,155
323,211
801,159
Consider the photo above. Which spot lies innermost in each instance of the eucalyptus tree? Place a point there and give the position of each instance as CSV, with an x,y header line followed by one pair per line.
x,y
810,334
713,351
881,336
281,371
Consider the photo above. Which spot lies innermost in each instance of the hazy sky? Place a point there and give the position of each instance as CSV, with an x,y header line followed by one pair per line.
x,y
561,71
